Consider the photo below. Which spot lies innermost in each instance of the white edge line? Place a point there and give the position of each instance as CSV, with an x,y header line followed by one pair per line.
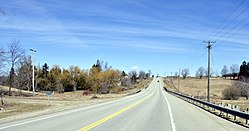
x,y
69,111
170,114
66,112
59,114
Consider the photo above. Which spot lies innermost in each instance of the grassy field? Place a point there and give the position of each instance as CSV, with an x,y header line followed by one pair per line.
x,y
27,106
198,88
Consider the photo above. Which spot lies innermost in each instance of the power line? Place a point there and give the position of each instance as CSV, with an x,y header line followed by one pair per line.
x,y
230,22
232,35
212,59
197,51
196,56
196,60
233,28
226,18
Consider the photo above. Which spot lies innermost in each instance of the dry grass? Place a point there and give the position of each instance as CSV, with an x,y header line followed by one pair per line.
x,y
27,106
11,109
198,88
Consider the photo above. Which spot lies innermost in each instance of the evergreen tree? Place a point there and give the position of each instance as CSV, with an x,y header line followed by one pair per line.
x,y
45,69
244,69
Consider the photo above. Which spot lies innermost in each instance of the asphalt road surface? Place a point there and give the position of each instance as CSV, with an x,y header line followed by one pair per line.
x,y
150,110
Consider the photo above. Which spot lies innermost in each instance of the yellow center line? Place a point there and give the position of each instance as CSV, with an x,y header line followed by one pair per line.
x,y
88,127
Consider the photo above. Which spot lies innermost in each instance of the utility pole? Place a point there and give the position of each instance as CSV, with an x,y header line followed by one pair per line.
x,y
33,80
179,80
208,87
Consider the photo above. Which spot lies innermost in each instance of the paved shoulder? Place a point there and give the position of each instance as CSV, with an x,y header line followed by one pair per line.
x,y
188,117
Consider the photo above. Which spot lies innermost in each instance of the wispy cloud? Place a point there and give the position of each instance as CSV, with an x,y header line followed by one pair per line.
x,y
126,24
103,25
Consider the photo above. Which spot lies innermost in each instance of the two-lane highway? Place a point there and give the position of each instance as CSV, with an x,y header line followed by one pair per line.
x,y
152,109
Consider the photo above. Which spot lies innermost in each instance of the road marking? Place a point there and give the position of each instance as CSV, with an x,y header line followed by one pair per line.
x,y
170,114
65,112
88,127
43,118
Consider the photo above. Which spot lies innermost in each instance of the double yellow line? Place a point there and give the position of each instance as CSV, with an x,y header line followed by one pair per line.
x,y
88,127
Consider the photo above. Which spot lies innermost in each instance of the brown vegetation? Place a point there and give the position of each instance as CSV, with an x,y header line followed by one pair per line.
x,y
198,88
231,93
26,106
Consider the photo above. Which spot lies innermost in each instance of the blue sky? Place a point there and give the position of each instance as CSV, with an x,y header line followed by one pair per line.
x,y
161,35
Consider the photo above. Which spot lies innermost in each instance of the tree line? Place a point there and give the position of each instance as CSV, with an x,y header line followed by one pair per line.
x,y
100,78
201,72
240,75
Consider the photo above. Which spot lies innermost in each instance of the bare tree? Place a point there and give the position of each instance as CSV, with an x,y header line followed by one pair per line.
x,y
234,69
224,71
185,73
2,60
176,74
133,75
15,54
200,72
142,74
24,74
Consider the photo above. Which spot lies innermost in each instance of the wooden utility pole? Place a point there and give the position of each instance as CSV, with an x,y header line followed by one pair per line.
x,y
208,87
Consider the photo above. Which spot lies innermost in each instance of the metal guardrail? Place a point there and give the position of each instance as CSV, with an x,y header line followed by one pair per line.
x,y
216,107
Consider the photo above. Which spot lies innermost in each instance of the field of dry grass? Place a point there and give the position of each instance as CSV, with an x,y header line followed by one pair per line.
x,y
27,106
198,88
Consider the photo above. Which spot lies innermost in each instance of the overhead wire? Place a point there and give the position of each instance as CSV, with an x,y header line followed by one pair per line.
x,y
225,19
232,35
197,51
230,22
223,37
233,28
196,56
197,59
214,69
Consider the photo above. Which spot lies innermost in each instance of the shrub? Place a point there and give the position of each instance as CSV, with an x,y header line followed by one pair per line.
x,y
126,82
243,87
231,93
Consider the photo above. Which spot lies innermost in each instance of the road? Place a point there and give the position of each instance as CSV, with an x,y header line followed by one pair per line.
x,y
150,110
